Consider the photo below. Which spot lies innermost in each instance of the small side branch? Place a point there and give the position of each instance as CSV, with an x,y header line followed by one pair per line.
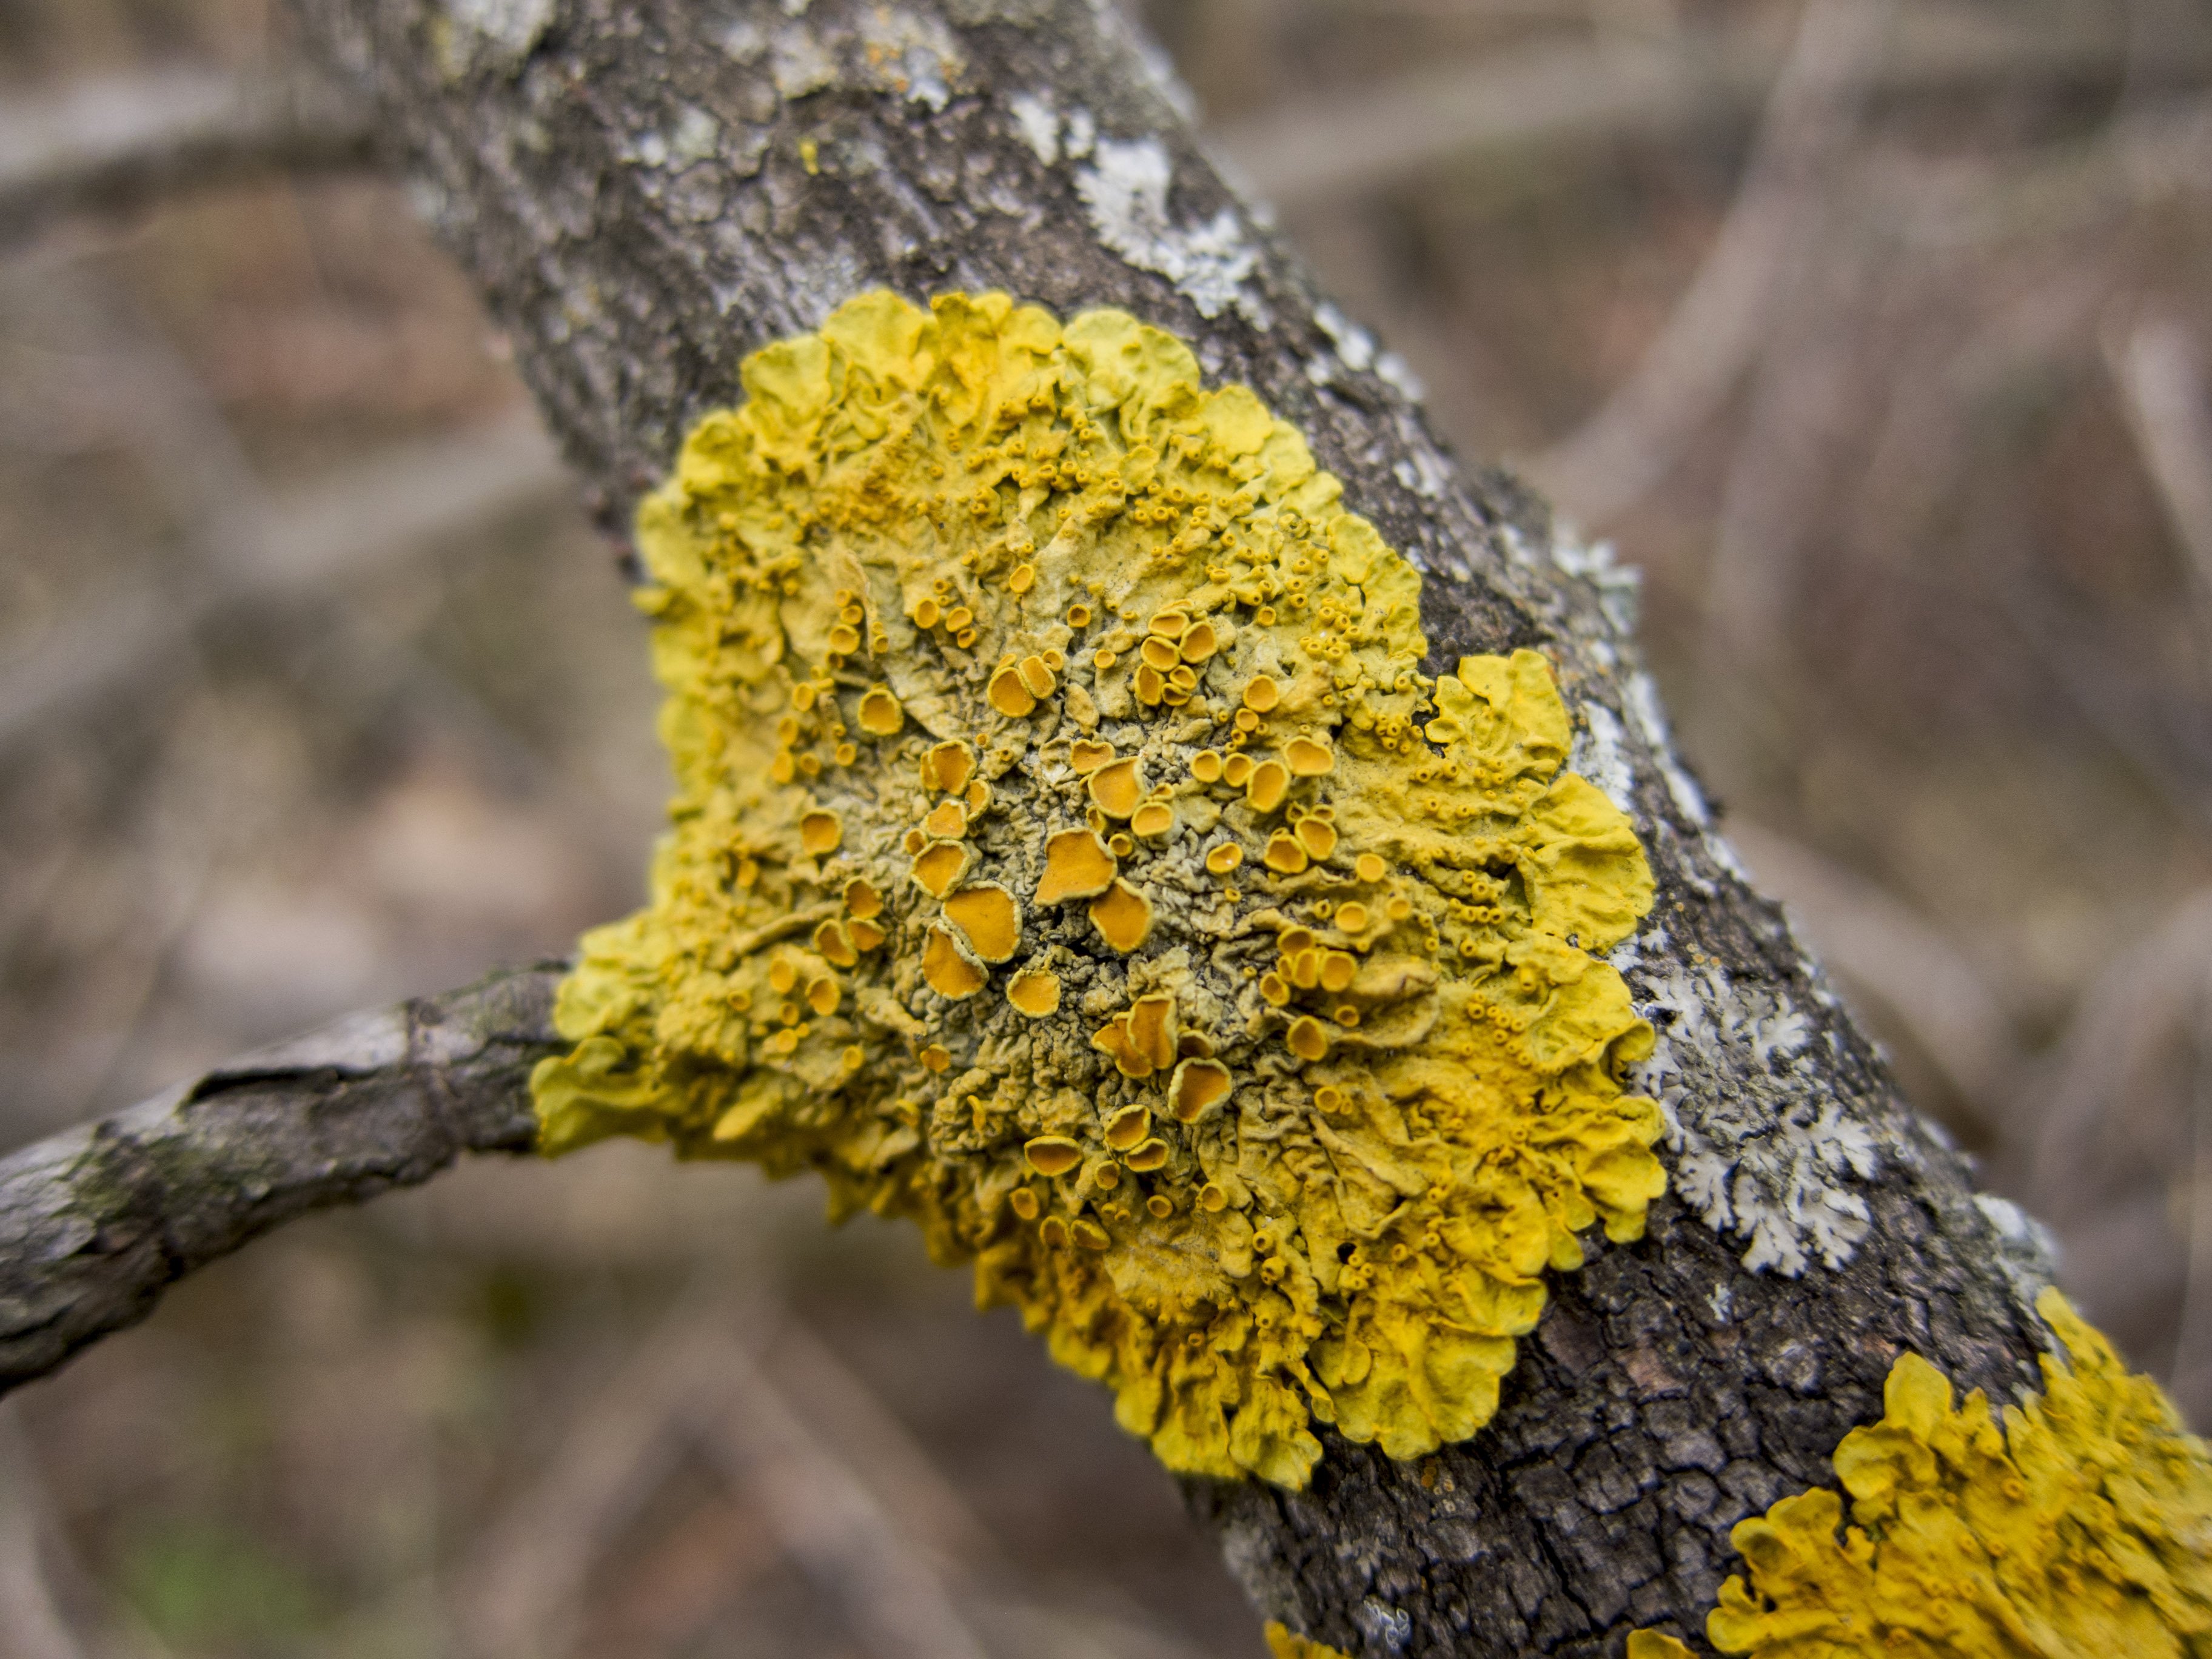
x,y
96,1222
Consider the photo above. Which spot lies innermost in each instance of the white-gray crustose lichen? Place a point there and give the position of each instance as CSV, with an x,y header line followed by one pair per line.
x,y
1125,195
1762,1147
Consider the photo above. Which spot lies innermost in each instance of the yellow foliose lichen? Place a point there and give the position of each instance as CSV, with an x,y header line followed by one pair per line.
x,y
1284,1643
2079,1523
1068,853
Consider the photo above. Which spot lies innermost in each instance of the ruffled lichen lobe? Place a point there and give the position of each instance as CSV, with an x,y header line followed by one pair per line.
x,y
1068,853
1283,1642
2077,1524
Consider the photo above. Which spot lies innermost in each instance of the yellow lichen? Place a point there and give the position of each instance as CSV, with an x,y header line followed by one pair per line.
x,y
1198,1084
879,714
988,919
2078,1523
1265,788
1117,789
1053,1155
1035,991
947,767
949,966
1328,1190
1284,1643
1123,915
1153,819
938,865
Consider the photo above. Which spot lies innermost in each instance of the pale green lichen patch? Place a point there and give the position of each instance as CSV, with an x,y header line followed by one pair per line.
x,y
1068,853
2079,1523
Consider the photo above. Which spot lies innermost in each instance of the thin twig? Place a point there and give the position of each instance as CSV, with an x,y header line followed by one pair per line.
x,y
121,142
1713,335
2160,375
32,1626
2193,1337
848,1414
521,1597
896,1602
2098,1115
1556,93
96,1222
46,1593
301,547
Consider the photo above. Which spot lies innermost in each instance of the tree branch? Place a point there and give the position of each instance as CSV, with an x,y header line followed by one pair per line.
x,y
96,1222
646,194
121,142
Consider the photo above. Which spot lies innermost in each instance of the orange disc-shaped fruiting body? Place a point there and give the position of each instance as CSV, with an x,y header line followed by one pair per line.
x,y
948,766
879,714
1123,915
1053,1155
1198,1086
1269,782
989,920
1306,1038
1035,991
1009,695
1076,865
1127,1126
1117,788
938,865
949,967
1153,1030
833,943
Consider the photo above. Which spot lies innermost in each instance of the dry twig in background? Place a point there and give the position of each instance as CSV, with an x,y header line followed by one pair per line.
x,y
121,143
1714,334
96,1223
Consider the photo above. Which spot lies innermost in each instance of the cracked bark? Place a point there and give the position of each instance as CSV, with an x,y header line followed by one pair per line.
x,y
646,193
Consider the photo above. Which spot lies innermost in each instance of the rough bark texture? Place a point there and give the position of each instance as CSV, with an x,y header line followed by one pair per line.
x,y
97,1222
647,192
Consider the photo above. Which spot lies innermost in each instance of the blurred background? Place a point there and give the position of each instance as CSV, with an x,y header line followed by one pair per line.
x,y
1877,336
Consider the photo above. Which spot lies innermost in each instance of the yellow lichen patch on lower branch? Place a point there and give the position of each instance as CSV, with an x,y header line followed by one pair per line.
x,y
1229,992
1284,1643
2078,1523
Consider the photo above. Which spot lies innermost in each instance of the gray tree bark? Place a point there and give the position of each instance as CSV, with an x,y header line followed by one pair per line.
x,y
646,192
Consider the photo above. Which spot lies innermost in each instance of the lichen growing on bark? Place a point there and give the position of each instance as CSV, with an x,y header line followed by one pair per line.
x,y
2079,1522
1068,853
1283,1642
